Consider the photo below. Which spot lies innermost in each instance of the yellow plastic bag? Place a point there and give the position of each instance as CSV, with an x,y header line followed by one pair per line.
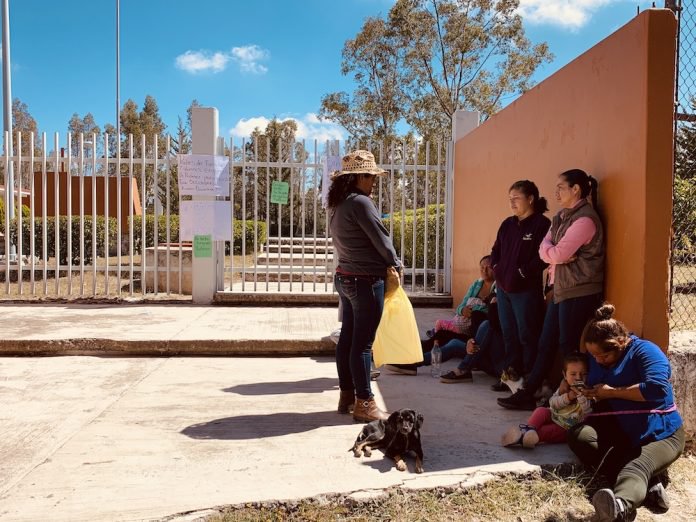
x,y
397,340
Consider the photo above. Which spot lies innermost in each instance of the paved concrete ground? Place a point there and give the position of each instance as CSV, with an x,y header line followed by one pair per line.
x,y
128,438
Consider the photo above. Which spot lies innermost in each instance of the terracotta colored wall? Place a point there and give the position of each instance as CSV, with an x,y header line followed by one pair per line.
x,y
75,196
608,112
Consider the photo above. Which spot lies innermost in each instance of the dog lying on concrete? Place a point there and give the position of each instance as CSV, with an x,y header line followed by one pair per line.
x,y
397,435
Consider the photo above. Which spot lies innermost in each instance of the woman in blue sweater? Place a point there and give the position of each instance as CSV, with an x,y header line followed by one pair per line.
x,y
635,431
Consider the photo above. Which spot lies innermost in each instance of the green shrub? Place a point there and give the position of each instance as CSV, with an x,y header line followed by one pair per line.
x,y
420,219
63,237
150,230
25,213
174,233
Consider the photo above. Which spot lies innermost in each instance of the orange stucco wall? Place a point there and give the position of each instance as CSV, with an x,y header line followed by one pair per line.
x,y
75,196
608,112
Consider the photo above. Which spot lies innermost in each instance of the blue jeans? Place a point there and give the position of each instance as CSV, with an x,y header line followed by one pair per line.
x,y
520,318
451,349
491,355
362,301
563,326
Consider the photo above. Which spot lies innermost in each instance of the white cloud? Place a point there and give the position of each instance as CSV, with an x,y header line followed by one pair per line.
x,y
248,58
570,14
202,61
309,127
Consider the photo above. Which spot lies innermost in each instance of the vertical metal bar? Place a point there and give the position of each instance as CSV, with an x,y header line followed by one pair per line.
x,y
81,179
437,218
256,209
143,220
106,214
130,213
268,209
155,191
68,189
8,203
119,216
44,216
167,198
32,219
381,184
392,192
19,217
403,201
291,158
302,213
56,195
243,238
181,247
426,217
94,207
317,196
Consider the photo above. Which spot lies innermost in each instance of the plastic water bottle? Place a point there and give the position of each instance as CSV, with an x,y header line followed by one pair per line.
x,y
435,360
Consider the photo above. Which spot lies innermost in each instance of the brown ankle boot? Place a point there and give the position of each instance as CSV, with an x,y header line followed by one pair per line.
x,y
346,401
367,411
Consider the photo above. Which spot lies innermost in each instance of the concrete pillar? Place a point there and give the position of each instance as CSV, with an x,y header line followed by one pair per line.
x,y
204,140
463,122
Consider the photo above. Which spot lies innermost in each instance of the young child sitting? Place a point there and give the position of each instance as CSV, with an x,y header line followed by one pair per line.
x,y
568,407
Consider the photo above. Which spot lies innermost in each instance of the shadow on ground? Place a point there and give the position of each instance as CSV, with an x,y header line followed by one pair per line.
x,y
246,427
316,385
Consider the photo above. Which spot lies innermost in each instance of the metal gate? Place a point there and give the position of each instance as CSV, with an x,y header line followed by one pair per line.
x,y
285,247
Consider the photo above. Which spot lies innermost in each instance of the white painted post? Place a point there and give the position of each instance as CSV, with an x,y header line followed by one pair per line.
x,y
463,122
204,140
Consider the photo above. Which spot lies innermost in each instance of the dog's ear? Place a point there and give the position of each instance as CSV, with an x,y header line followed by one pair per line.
x,y
419,420
394,418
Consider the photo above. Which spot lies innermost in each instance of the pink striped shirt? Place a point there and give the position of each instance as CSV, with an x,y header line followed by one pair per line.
x,y
579,233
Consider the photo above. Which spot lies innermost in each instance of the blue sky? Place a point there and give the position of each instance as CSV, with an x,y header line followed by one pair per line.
x,y
251,59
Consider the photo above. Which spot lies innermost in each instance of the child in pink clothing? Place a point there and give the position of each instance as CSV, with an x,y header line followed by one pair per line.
x,y
567,408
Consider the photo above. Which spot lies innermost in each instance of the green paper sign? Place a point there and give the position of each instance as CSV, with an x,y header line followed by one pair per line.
x,y
279,192
203,246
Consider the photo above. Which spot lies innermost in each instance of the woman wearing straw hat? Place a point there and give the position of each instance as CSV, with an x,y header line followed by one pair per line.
x,y
365,255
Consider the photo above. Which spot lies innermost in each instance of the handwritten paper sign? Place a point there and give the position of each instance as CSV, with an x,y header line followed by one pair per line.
x,y
279,192
202,218
204,175
203,246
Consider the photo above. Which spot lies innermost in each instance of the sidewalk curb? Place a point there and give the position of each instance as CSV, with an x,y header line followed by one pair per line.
x,y
168,348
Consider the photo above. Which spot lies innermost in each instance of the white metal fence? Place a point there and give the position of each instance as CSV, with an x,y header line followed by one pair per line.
x,y
76,231
294,252
94,221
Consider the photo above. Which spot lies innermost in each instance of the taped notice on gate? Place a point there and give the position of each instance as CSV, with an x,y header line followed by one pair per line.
x,y
204,175
202,218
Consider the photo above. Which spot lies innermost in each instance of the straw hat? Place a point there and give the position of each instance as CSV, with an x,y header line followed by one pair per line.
x,y
359,162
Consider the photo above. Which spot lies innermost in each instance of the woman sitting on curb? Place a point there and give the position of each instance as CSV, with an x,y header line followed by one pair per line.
x,y
453,344
636,432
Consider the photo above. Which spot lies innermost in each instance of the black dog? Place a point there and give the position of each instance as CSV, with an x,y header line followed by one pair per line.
x,y
397,435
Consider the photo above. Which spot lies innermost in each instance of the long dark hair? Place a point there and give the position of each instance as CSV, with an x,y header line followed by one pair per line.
x,y
340,188
588,185
529,188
